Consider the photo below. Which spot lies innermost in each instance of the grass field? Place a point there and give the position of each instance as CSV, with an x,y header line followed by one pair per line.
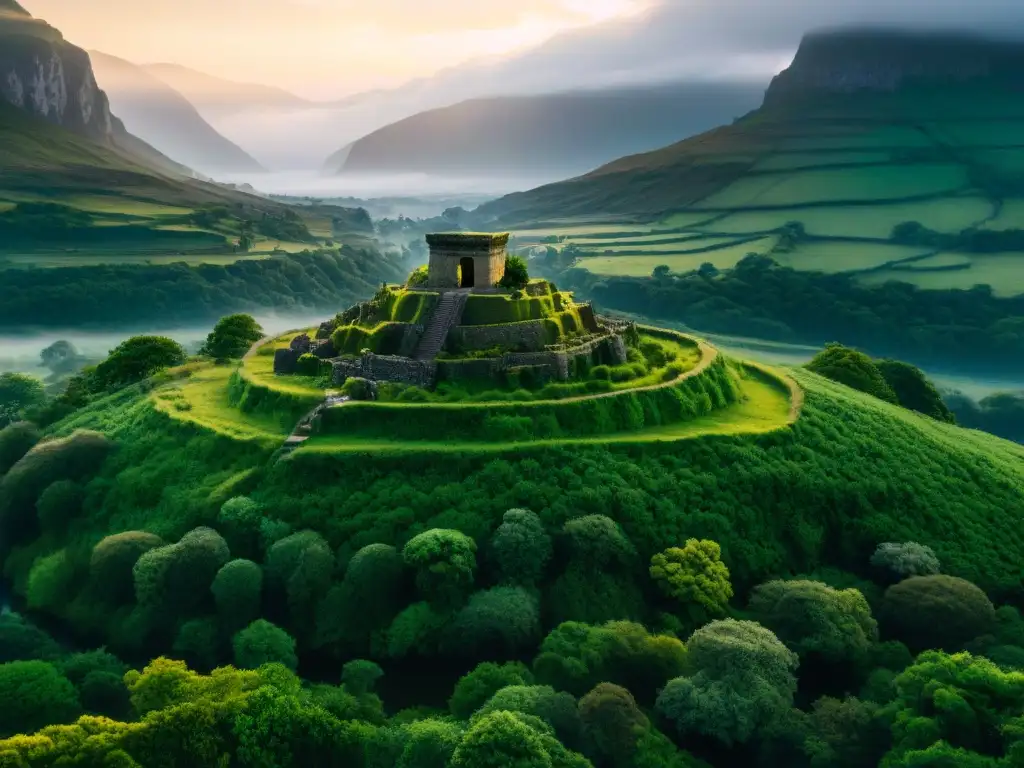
x,y
642,266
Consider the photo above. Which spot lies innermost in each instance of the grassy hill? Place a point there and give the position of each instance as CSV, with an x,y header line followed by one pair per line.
x,y
940,148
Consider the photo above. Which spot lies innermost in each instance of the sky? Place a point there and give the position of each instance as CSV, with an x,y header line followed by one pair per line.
x,y
320,48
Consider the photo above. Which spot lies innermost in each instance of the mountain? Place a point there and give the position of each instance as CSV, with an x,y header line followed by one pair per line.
x,y
554,134
861,118
163,117
210,94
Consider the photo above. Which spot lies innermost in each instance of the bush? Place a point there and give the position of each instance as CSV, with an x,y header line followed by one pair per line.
x,y
34,694
311,365
415,631
299,569
445,564
248,530
476,687
812,618
854,369
58,505
176,579
696,577
936,612
50,582
613,722
520,548
901,560
232,337
198,643
18,391
743,680
20,640
16,440
357,388
501,622
418,277
113,560
597,542
264,643
238,592
503,739
136,359
516,275
360,676
556,709
914,390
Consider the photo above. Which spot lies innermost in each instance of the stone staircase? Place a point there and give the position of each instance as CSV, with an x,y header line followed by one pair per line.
x,y
446,315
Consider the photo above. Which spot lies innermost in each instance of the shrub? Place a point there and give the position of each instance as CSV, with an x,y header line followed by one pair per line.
x,y
360,676
418,277
104,693
556,709
913,389
812,618
905,559
112,562
176,578
238,592
415,631
34,694
58,505
597,542
232,337
248,531
18,391
594,596
50,582
310,365
695,576
198,643
845,733
517,274
357,388
476,687
16,440
136,359
264,643
854,369
445,564
20,640
299,568
936,612
502,622
520,548
743,680
503,739
613,722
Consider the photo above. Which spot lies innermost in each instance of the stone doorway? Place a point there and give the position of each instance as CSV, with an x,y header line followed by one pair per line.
x,y
467,265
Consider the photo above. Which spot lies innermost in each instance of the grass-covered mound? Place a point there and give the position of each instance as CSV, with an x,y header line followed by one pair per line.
x,y
542,301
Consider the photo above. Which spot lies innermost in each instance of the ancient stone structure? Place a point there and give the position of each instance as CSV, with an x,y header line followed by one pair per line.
x,y
466,260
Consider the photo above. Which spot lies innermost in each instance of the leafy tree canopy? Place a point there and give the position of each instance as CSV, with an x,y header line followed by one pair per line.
x,y
232,337
695,576
136,359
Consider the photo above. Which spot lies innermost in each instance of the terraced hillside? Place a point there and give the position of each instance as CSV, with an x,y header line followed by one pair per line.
x,y
833,170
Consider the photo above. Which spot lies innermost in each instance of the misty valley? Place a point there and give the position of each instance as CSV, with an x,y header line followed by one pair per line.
x,y
620,384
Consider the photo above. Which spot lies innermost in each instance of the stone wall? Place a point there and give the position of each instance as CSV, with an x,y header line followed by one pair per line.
x,y
401,370
559,364
488,267
529,335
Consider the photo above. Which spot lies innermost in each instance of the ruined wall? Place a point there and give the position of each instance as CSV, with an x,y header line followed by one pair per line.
x,y
529,335
443,269
400,370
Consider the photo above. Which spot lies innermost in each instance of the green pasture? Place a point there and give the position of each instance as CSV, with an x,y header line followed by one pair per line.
x,y
846,257
1004,272
642,266
799,160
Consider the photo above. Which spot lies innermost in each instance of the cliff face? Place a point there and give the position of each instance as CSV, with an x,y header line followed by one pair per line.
x,y
851,61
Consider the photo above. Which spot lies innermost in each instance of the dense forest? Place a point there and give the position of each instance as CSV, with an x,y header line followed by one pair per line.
x,y
957,330
125,295
794,598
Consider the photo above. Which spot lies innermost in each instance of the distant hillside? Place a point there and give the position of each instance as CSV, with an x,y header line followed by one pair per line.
x,y
217,95
859,117
562,133
163,117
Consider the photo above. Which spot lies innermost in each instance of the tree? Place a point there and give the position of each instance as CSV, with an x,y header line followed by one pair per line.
x,y
445,564
854,369
176,578
936,612
557,709
136,359
18,391
512,740
113,560
845,733
695,576
613,722
813,618
516,275
520,548
360,676
476,687
16,440
20,640
58,505
501,622
661,271
264,643
34,694
299,569
248,530
99,678
909,558
238,591
415,631
198,643
232,337
598,542
914,390
51,581
743,679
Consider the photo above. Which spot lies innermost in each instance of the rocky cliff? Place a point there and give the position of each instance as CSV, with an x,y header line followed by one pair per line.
x,y
877,60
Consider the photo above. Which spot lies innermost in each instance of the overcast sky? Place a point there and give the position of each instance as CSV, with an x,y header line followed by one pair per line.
x,y
327,48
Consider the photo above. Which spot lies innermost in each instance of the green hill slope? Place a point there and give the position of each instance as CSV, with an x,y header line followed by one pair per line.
x,y
864,132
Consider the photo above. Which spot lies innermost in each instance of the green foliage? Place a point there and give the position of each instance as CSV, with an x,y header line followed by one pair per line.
x,y
175,579
854,369
299,569
613,722
516,275
248,530
520,548
499,623
936,612
357,388
18,391
742,680
311,365
99,678
845,733
136,359
475,688
914,390
264,643
575,657
813,618
510,740
20,640
232,337
415,631
1001,413
34,694
556,709
901,560
360,676
50,581
198,643
59,505
238,592
418,277
597,542
695,576
16,440
113,561
445,564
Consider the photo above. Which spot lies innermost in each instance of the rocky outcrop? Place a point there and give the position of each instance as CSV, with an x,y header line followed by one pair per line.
x,y
875,60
